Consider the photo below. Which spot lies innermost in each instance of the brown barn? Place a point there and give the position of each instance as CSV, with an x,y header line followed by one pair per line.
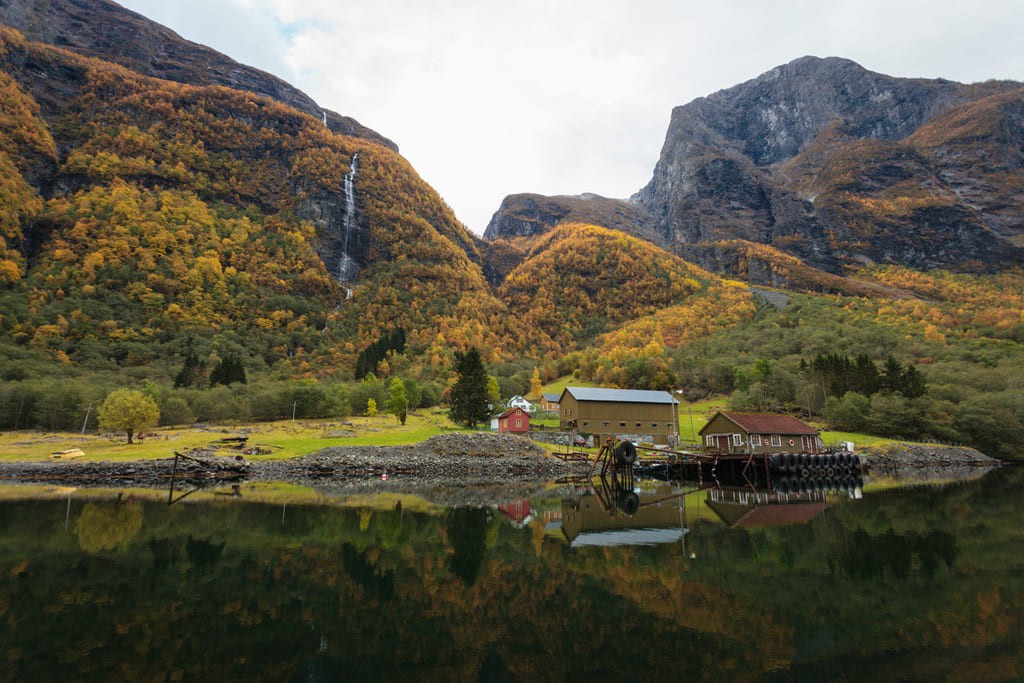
x,y
744,433
514,420
643,415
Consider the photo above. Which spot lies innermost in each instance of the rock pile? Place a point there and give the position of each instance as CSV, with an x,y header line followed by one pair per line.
x,y
483,445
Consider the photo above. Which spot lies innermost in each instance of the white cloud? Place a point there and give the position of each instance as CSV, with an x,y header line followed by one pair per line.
x,y
488,98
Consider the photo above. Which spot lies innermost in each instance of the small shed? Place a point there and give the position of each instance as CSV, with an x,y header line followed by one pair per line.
x,y
515,420
759,433
549,402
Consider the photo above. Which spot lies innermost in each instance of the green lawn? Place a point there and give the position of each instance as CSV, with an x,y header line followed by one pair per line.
x,y
285,438
561,383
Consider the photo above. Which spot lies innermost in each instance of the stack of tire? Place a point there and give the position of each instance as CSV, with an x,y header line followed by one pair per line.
x,y
807,472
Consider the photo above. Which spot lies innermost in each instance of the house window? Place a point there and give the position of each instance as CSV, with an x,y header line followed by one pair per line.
x,y
622,424
709,440
654,425
519,423
607,423
737,439
639,425
755,439
776,440
585,424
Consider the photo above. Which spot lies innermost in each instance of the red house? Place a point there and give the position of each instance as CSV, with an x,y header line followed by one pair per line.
x,y
514,420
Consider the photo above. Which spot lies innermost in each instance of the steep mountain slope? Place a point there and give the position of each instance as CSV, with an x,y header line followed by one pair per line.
x,y
721,174
824,161
147,212
104,29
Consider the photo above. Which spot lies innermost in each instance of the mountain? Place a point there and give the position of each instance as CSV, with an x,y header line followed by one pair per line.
x,y
579,280
142,214
839,167
817,157
107,31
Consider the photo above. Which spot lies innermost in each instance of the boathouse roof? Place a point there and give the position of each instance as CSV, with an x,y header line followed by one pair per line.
x,y
766,423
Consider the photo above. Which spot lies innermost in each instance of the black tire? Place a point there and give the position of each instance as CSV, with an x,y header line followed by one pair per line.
x,y
625,453
778,462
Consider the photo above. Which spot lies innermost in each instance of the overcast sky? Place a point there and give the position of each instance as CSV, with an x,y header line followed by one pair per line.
x,y
488,98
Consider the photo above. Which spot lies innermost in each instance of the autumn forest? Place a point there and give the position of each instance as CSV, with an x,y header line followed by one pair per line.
x,y
176,237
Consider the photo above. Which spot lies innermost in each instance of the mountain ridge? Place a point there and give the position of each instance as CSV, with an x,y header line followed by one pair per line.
x,y
762,162
104,29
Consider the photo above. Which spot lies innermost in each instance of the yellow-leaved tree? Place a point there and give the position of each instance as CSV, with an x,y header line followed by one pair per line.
x,y
128,410
536,386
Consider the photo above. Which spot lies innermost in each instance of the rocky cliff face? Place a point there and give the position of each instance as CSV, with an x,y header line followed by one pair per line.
x,y
782,160
103,29
531,215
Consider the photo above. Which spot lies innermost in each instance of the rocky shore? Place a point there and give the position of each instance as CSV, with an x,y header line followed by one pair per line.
x,y
927,462
445,464
446,460
894,456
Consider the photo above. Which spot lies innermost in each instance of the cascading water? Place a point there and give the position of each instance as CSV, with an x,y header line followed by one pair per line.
x,y
348,223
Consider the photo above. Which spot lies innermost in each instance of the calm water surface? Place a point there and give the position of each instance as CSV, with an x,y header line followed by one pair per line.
x,y
919,583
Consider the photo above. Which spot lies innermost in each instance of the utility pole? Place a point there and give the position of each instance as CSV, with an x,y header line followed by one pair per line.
x,y
86,421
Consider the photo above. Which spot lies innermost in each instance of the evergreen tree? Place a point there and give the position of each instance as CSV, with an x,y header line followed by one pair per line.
x,y
370,358
192,369
469,395
396,403
892,374
228,371
913,384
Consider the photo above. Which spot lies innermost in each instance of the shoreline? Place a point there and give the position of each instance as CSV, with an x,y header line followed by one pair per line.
x,y
445,461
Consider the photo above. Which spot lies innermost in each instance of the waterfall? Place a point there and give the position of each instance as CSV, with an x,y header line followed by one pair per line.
x,y
348,222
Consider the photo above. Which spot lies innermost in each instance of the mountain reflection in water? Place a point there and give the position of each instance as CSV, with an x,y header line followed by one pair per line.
x,y
682,582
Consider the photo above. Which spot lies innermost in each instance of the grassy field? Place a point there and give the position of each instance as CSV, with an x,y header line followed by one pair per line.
x,y
284,439
287,438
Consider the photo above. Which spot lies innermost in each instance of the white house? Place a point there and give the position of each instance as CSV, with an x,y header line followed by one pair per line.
x,y
520,402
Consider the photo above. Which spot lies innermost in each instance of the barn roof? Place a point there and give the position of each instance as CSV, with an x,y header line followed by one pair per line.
x,y
766,423
513,411
620,395
551,397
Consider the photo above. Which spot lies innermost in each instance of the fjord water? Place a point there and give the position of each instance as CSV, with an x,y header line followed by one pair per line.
x,y
919,583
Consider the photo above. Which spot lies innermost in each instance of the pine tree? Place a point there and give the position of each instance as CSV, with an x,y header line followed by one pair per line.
x,y
191,370
229,371
469,395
